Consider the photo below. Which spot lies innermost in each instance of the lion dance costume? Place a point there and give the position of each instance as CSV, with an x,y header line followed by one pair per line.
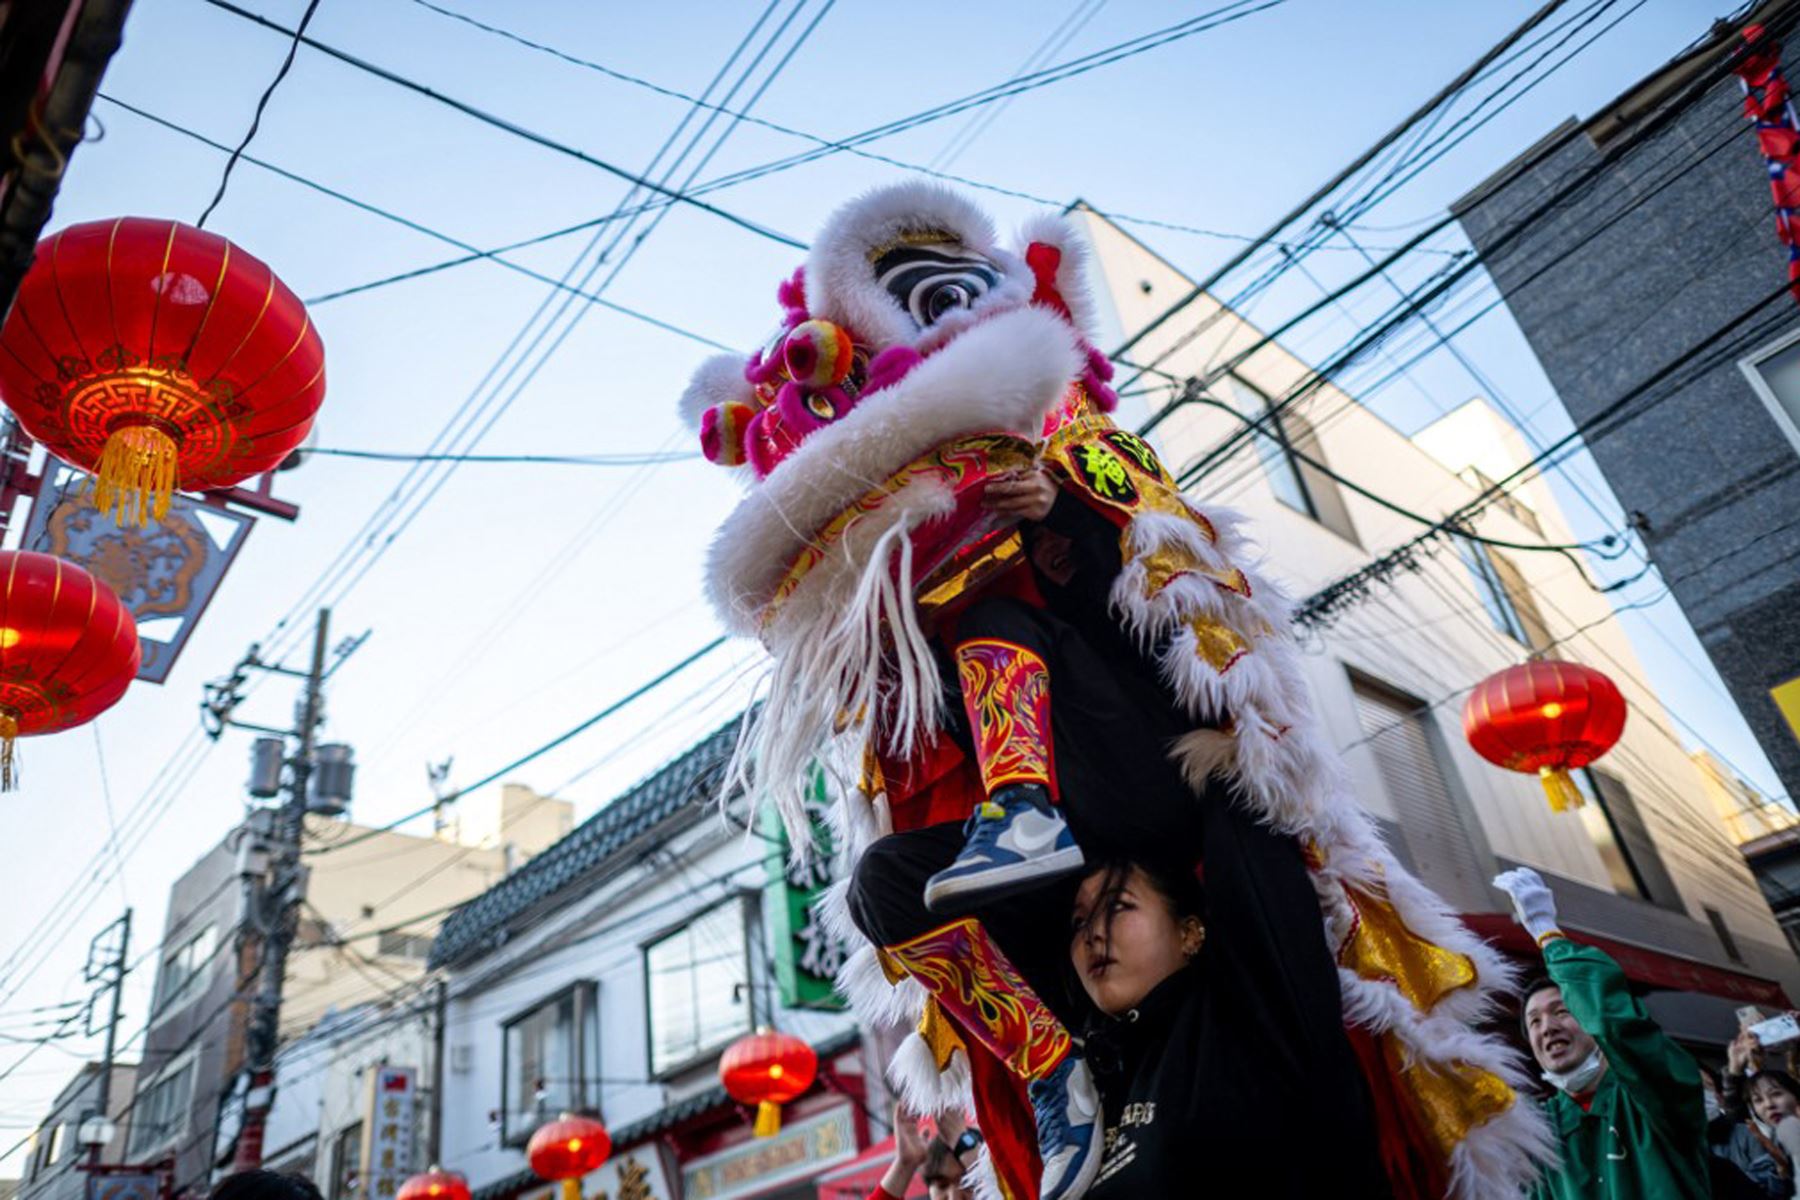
x,y
993,723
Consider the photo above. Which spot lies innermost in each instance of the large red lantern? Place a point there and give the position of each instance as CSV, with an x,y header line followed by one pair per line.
x,y
767,1069
1548,717
435,1184
158,357
568,1148
68,649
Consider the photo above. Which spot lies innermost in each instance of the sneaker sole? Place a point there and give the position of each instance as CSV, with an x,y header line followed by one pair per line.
x,y
1004,881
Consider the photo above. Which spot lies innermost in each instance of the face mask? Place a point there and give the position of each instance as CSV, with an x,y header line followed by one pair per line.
x,y
1582,1078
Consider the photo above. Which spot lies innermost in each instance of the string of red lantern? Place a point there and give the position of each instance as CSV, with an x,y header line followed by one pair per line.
x,y
568,1148
1769,105
158,357
767,1069
68,649
1548,718
435,1184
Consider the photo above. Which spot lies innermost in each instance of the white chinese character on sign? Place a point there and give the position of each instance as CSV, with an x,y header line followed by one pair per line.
x,y
821,954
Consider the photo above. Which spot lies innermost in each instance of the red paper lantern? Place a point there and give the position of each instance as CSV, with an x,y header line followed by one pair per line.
x,y
435,1184
159,357
767,1069
68,649
1548,717
568,1148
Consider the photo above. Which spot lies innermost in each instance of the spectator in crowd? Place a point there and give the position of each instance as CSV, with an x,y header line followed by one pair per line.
x,y
942,1159
265,1185
1728,1179
1627,1106
1761,1104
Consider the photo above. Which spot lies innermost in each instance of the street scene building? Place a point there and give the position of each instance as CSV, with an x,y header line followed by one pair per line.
x,y
1156,666
1708,461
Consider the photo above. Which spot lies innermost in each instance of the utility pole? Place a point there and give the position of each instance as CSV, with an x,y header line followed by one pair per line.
x,y
97,1130
283,764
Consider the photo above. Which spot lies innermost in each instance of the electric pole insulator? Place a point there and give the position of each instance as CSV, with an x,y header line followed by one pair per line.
x,y
266,754
334,770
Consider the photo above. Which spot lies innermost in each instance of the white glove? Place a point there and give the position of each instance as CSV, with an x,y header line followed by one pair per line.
x,y
1533,905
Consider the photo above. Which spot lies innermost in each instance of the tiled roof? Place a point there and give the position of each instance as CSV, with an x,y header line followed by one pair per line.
x,y
484,923
663,1119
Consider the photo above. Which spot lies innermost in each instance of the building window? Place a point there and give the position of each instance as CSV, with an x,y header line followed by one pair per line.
x,y
346,1153
1284,443
1417,781
698,987
404,945
161,1110
184,970
551,1061
1504,595
1505,501
1774,374
1617,829
1724,931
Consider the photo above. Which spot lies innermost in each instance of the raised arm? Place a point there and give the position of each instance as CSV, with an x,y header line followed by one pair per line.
x,y
1661,1077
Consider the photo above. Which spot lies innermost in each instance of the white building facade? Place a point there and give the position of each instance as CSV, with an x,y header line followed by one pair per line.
x,y
609,975
1644,868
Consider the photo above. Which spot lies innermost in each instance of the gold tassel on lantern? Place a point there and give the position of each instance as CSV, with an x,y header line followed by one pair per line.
x,y
136,471
571,1188
9,765
768,1119
1563,793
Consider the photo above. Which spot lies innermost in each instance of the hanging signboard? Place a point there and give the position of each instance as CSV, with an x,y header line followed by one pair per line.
x,y
800,1151
388,1124
807,958
166,572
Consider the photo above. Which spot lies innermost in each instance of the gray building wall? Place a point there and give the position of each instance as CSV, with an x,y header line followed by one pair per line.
x,y
1605,301
203,1025
49,1171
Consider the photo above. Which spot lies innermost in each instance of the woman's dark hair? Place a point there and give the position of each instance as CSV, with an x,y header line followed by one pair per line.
x,y
1181,888
265,1185
1780,1079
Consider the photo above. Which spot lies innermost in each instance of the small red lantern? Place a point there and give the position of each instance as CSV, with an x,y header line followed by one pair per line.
x,y
568,1148
435,1184
158,357
767,1069
1549,717
68,649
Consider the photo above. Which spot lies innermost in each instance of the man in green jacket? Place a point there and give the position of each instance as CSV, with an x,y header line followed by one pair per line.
x,y
1627,1107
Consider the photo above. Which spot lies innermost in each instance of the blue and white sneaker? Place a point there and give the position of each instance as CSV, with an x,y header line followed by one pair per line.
x,y
1071,1135
1016,840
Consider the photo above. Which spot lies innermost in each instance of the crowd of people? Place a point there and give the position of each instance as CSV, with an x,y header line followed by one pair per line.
x,y
1635,1115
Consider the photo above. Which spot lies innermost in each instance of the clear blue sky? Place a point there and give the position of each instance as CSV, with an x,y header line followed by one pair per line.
x,y
524,599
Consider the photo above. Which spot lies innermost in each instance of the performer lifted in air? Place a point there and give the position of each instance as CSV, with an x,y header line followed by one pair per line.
x,y
1016,645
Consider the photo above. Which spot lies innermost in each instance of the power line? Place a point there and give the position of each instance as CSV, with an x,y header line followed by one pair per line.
x,y
462,424
476,253
1316,609
1238,259
636,693
262,103
506,126
650,458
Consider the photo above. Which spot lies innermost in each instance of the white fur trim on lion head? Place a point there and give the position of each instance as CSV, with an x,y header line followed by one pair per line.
x,y
718,380
841,280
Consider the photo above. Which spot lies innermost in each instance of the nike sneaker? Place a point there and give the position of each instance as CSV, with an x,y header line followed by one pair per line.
x,y
1016,840
1071,1136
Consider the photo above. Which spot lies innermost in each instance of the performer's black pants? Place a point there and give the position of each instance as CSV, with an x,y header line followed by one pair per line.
x,y
1266,958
